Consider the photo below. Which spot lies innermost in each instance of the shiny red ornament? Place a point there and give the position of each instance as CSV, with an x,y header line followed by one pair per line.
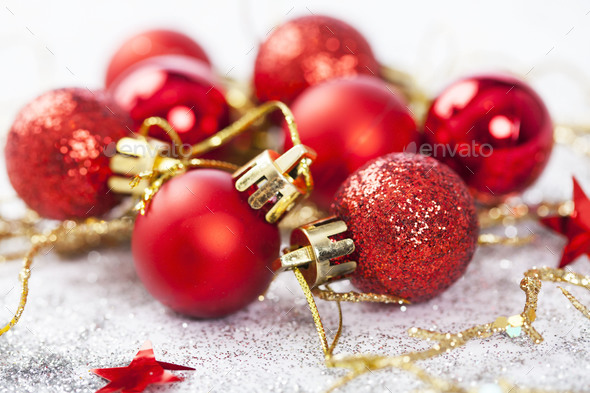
x,y
55,155
494,131
306,51
152,43
413,223
576,227
200,249
349,122
182,90
143,371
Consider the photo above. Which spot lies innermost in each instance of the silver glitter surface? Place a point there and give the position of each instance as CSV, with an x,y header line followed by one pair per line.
x,y
93,312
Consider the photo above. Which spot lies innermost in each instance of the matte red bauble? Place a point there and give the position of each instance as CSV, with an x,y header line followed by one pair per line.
x,y
494,131
200,249
413,223
182,90
306,51
150,44
54,153
349,122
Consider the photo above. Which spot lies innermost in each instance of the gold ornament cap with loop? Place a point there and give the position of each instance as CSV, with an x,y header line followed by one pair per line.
x,y
136,156
142,154
314,246
280,180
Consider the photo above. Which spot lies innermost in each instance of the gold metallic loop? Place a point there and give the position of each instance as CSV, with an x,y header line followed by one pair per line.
x,y
164,125
245,122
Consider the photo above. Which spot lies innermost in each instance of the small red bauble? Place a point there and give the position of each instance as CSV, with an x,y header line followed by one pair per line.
x,y
200,249
150,44
180,89
494,131
413,223
54,153
349,122
306,51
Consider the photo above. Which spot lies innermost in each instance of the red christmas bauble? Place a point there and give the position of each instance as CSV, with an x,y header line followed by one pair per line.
x,y
150,44
200,249
182,90
494,131
306,51
413,222
54,153
349,122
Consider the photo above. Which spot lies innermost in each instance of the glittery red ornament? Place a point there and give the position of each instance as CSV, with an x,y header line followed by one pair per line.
x,y
150,44
182,90
413,223
54,153
200,249
349,122
494,131
306,51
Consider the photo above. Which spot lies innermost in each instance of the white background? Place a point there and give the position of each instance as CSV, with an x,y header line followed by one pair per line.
x,y
271,345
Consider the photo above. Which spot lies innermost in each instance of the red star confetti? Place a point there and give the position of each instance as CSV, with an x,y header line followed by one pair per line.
x,y
576,227
143,370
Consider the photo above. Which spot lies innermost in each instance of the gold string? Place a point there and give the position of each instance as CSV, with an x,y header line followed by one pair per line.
x,y
314,310
158,179
339,330
24,276
514,325
510,213
576,303
69,237
245,122
214,141
216,164
164,125
12,256
327,349
489,239
357,297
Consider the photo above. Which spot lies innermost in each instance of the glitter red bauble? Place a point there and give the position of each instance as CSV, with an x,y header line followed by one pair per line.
x,y
182,90
306,51
150,44
494,131
413,223
54,153
200,249
349,122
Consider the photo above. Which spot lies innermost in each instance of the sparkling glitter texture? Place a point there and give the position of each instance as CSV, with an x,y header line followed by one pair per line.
x,y
54,153
414,225
307,51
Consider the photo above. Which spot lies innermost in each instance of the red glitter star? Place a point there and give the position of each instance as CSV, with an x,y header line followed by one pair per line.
x,y
143,370
576,227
